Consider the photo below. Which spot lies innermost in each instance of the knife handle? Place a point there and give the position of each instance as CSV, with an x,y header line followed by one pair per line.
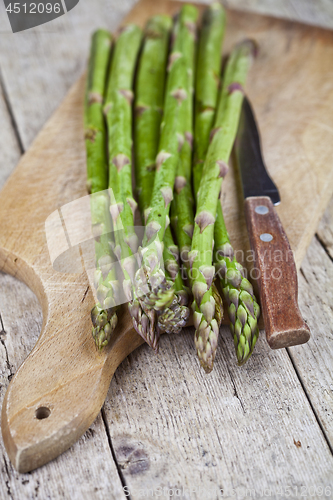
x,y
275,272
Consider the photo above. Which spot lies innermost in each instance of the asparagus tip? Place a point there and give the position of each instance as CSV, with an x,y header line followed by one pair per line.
x,y
251,45
102,333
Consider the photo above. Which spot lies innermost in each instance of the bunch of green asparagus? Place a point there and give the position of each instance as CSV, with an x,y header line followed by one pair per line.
x,y
162,91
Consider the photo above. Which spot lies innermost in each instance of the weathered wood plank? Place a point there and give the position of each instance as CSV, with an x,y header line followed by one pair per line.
x,y
319,12
325,229
173,426
9,147
314,362
87,470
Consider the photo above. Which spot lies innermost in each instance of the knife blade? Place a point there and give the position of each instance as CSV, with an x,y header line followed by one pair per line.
x,y
274,269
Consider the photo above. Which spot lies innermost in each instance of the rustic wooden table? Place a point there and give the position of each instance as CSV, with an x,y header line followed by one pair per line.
x,y
167,430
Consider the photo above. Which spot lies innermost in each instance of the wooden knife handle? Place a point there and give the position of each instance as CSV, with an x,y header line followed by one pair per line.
x,y
275,271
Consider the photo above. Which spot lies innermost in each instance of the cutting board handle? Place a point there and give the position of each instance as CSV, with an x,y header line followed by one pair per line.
x,y
60,388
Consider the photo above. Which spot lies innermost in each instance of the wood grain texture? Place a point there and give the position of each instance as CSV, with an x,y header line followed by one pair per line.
x,y
325,229
15,62
275,273
233,429
319,12
9,146
314,361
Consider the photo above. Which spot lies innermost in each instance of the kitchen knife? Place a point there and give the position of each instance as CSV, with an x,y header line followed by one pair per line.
x,y
275,268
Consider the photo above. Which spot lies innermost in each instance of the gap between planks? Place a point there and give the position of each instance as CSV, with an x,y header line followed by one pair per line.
x,y
310,402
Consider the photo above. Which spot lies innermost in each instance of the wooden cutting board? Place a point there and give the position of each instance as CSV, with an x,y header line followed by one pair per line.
x,y
58,391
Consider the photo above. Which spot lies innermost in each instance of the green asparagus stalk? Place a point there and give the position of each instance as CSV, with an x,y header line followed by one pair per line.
x,y
206,93
182,204
174,318
184,41
118,112
207,83
243,307
245,329
149,107
97,174
103,315
182,215
151,276
209,61
149,96
171,261
214,170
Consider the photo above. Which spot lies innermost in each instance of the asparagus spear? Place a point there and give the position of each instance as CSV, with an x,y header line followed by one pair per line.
x,y
149,95
182,205
214,170
100,49
118,112
206,94
103,315
159,292
174,318
185,35
182,215
243,307
184,41
245,331
207,83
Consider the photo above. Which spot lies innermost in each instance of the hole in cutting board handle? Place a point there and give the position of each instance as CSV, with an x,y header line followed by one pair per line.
x,y
42,412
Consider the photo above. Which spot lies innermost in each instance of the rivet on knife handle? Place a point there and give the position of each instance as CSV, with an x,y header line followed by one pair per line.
x,y
276,274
